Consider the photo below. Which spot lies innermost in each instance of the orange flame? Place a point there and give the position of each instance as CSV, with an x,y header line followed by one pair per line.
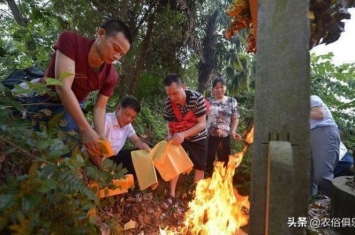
x,y
249,135
217,207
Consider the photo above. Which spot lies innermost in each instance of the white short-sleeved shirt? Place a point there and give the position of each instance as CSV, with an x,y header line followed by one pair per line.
x,y
342,151
220,117
328,118
115,134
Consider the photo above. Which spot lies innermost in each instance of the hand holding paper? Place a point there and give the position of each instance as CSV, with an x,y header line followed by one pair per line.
x,y
105,151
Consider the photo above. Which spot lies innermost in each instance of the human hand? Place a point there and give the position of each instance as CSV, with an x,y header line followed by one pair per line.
x,y
236,136
103,137
145,147
96,159
177,138
91,139
168,138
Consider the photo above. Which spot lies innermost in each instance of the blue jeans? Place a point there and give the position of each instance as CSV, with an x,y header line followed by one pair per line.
x,y
36,105
37,111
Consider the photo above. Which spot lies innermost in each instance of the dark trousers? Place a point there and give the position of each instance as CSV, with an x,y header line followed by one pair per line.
x,y
124,157
219,146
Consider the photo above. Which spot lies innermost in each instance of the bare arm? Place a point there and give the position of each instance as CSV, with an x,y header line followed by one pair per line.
x,y
234,125
178,138
169,133
139,143
65,64
99,114
317,113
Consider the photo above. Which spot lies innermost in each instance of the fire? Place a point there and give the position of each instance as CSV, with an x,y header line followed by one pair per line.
x,y
249,136
218,208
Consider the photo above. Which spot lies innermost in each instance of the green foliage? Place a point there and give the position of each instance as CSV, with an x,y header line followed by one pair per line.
x,y
151,84
241,178
49,198
41,193
150,124
26,46
335,85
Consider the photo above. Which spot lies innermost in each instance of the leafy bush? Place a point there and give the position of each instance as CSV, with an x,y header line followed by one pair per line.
x,y
150,124
41,192
335,85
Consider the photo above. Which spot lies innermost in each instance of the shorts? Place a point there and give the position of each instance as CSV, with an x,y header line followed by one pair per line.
x,y
197,152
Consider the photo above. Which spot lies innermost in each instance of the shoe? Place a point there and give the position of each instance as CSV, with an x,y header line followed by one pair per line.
x,y
134,196
169,201
192,191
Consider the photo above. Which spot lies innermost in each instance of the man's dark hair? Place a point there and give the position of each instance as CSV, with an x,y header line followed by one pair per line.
x,y
171,78
130,102
219,80
114,26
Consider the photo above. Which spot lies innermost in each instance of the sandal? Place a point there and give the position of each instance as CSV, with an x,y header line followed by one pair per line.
x,y
169,202
192,191
134,196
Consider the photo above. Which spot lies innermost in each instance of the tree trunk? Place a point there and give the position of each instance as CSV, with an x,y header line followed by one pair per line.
x,y
16,12
143,55
209,62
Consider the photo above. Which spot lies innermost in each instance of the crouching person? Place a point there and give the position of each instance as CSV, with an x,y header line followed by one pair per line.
x,y
118,129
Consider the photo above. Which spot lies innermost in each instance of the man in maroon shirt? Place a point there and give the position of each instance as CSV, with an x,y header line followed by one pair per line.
x,y
84,65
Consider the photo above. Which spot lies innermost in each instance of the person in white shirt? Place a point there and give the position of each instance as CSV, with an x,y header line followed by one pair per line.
x,y
345,166
118,129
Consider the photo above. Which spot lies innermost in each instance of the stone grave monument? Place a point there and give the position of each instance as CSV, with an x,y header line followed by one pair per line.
x,y
281,153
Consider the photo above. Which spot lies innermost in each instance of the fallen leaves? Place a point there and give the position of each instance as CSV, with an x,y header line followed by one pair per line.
x,y
144,216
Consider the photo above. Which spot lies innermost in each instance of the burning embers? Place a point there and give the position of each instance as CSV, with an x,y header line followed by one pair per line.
x,y
217,207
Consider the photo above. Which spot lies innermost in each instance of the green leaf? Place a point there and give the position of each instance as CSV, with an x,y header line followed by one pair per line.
x,y
65,75
80,160
6,201
57,149
53,81
29,201
2,87
19,90
13,103
48,185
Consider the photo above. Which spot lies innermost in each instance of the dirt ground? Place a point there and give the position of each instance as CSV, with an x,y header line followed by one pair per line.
x,y
320,210
144,215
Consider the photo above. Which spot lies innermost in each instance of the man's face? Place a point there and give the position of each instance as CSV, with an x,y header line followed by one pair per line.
x,y
176,93
112,48
125,116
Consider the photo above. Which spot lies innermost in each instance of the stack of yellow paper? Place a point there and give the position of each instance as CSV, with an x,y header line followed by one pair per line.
x,y
170,160
122,186
105,149
144,168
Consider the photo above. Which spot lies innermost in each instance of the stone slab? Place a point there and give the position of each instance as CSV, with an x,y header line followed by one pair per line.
x,y
343,203
282,106
280,187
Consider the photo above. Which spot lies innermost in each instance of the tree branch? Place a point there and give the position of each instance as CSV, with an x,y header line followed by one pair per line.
x,y
20,19
17,147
